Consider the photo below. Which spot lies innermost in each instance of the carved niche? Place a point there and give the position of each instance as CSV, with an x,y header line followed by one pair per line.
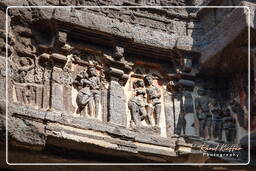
x,y
27,89
90,83
70,80
145,106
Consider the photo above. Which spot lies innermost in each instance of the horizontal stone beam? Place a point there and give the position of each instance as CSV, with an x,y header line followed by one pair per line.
x,y
113,27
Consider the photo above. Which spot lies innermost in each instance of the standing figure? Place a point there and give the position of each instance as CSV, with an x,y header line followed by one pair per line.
x,y
217,117
84,93
229,126
94,82
137,103
89,94
203,114
153,100
177,94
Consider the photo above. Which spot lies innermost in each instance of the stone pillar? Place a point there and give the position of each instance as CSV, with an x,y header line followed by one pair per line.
x,y
168,108
57,97
67,99
118,78
117,104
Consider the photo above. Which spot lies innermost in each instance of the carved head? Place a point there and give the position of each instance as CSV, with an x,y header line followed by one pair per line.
x,y
139,83
119,52
148,80
92,71
84,73
172,87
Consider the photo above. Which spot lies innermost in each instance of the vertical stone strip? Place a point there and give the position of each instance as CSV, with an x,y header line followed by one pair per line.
x,y
39,96
67,96
46,94
117,104
57,97
104,108
168,108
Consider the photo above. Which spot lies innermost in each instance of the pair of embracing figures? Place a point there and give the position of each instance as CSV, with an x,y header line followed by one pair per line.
x,y
145,103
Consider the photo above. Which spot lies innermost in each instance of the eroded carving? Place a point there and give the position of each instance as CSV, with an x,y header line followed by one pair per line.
x,y
217,118
88,98
153,101
203,113
137,104
145,103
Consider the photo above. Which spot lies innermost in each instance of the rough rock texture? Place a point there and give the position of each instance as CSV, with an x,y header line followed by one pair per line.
x,y
129,84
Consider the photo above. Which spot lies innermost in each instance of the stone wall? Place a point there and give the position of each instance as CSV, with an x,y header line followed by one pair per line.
x,y
154,84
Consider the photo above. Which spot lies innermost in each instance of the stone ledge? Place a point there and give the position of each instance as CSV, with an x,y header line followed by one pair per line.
x,y
88,124
104,140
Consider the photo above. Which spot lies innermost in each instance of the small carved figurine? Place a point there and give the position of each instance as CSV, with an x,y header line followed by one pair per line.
x,y
229,126
153,100
89,94
217,117
203,114
137,103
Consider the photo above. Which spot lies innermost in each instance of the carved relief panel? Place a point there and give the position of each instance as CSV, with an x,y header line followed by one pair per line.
x,y
105,85
70,80
145,98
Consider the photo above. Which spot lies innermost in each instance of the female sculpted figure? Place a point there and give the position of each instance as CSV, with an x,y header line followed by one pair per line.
x,y
89,94
137,102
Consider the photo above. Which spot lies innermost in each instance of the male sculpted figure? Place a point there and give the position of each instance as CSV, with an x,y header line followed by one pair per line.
x,y
153,100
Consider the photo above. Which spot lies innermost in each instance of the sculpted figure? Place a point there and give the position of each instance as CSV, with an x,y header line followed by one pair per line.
x,y
229,126
217,117
94,83
177,94
25,64
137,103
89,94
203,114
153,100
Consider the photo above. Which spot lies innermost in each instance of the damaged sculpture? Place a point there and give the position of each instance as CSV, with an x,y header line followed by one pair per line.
x,y
88,97
145,103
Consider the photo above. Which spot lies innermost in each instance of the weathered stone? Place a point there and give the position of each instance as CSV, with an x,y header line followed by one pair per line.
x,y
117,104
28,132
76,78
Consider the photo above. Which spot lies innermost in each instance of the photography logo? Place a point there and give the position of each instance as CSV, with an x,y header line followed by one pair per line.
x,y
220,150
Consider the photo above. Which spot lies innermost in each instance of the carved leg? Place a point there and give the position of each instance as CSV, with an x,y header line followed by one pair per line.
x,y
97,103
228,135
157,112
91,107
23,96
220,131
208,125
150,115
178,127
181,125
214,129
201,128
233,135
184,123
207,132
143,113
135,114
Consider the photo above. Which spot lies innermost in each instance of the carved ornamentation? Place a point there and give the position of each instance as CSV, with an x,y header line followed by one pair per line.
x,y
89,95
145,103
137,103
203,113
153,101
